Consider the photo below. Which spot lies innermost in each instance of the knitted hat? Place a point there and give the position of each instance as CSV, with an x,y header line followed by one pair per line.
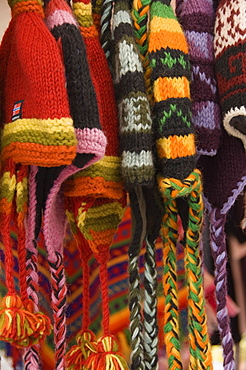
x,y
46,182
178,178
229,48
197,19
138,172
224,177
38,128
96,195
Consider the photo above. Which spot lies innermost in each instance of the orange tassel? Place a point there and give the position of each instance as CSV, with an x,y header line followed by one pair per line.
x,y
19,325
107,356
78,354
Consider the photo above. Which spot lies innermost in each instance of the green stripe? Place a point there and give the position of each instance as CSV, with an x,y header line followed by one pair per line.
x,y
42,138
163,11
96,170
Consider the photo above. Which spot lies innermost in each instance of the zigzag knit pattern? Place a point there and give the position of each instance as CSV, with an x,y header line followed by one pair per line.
x,y
229,48
168,53
197,19
133,106
175,142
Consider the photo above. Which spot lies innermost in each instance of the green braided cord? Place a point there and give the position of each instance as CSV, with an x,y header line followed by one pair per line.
x,y
140,15
169,232
200,349
191,189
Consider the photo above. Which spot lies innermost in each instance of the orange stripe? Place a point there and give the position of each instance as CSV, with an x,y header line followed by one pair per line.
x,y
94,187
166,39
39,155
168,87
176,146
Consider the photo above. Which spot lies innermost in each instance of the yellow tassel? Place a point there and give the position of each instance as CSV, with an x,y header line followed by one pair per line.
x,y
78,354
19,325
107,356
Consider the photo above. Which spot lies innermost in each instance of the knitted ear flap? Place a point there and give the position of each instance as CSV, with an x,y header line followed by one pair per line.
x,y
168,53
197,19
224,178
20,324
229,48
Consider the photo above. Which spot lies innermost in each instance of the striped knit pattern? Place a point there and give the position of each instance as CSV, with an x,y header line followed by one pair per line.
x,y
133,106
168,53
42,134
197,19
140,16
200,351
81,93
229,48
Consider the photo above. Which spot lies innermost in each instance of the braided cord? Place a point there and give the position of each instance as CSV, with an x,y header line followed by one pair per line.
x,y
169,232
140,15
190,188
105,35
200,349
218,245
31,354
136,327
150,324
58,298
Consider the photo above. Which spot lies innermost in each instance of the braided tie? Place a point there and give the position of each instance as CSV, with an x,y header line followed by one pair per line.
x,y
140,15
218,246
58,297
200,350
150,325
169,232
105,36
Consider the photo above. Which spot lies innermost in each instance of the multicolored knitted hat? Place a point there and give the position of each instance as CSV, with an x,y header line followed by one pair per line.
x,y
138,173
31,99
229,48
45,193
95,196
178,179
197,19
38,129
224,177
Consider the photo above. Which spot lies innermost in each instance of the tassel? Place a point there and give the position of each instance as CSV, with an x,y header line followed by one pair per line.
x,y
107,356
78,354
19,325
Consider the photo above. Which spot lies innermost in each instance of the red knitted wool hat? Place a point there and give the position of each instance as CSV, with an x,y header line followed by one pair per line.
x,y
38,128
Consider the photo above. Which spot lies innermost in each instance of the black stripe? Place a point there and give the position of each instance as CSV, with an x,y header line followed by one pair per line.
x,y
161,69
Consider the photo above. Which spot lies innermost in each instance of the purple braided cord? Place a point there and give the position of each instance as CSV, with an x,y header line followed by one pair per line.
x,y
218,245
31,355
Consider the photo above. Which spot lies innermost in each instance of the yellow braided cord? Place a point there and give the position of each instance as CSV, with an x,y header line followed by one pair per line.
x,y
140,15
169,232
200,349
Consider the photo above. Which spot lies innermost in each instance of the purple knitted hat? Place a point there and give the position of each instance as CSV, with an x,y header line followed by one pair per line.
x,y
230,49
197,19
224,178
